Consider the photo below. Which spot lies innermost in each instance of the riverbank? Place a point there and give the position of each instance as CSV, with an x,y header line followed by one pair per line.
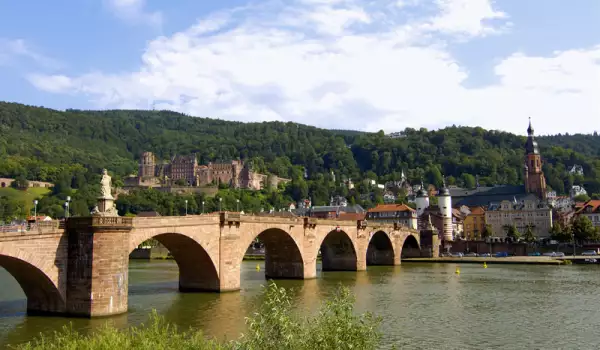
x,y
525,260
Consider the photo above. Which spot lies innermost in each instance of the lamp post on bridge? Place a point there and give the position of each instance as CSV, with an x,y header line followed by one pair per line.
x,y
186,202
67,206
202,207
220,201
237,202
35,203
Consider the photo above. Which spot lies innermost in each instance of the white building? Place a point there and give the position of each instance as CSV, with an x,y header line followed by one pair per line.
x,y
577,191
576,170
527,212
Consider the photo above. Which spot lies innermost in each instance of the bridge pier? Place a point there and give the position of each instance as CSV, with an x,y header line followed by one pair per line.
x,y
98,262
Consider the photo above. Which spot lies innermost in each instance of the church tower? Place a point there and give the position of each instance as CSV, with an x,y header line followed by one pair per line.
x,y
535,182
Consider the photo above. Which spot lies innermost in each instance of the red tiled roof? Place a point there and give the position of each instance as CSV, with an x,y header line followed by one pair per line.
x,y
594,204
390,207
477,210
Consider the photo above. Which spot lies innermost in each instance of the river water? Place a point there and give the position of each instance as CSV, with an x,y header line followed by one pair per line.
x,y
423,306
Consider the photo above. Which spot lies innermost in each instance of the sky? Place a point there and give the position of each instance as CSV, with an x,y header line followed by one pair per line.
x,y
340,64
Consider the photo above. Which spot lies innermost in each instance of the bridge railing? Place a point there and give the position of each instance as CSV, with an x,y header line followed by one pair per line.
x,y
35,227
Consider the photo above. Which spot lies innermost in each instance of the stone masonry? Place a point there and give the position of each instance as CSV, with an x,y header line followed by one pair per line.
x,y
83,270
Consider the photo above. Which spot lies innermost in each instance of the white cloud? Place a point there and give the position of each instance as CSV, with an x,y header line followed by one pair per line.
x,y
344,65
11,51
468,17
133,11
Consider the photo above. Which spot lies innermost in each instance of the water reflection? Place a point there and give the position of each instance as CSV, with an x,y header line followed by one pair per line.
x,y
423,306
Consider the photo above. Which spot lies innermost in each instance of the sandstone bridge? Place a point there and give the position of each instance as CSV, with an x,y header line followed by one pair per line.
x,y
82,269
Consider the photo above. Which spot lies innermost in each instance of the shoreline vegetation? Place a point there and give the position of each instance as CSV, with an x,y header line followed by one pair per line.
x,y
274,326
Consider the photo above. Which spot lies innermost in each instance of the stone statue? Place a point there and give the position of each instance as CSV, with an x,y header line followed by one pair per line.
x,y
105,191
106,202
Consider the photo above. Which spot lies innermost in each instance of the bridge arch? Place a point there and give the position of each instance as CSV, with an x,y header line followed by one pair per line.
x,y
283,254
410,247
198,271
338,251
35,278
380,250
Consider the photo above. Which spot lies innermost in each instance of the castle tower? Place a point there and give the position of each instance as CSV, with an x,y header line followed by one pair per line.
x,y
147,165
445,205
422,200
535,181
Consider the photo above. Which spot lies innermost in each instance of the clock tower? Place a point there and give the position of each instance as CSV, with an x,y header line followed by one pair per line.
x,y
535,182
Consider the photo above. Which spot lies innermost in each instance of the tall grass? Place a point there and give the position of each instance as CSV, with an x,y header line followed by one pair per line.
x,y
275,325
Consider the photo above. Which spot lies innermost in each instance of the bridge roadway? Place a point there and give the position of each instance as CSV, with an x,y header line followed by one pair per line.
x,y
82,269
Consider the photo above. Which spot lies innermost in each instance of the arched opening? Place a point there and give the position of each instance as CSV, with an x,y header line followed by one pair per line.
x,y
43,296
197,272
410,248
283,259
380,250
338,253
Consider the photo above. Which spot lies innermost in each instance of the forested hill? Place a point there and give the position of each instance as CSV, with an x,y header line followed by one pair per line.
x,y
39,143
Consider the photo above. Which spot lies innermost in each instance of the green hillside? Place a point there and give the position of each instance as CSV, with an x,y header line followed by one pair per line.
x,y
43,144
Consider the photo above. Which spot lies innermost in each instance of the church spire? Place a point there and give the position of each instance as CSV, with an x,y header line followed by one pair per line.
x,y
530,128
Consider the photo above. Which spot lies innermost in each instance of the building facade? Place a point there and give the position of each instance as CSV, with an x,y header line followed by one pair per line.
x,y
393,213
474,222
528,212
187,170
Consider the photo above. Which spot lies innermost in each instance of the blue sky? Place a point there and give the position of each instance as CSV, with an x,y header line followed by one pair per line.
x,y
345,64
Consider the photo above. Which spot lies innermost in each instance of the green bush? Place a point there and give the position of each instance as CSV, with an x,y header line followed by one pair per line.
x,y
274,326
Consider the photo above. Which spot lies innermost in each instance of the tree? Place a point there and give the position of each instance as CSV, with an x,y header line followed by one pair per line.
x,y
529,236
20,182
468,180
487,232
513,233
581,198
583,228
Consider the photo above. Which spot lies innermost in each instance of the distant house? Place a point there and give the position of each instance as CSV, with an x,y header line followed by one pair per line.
x,y
393,213
577,191
591,210
474,222
576,169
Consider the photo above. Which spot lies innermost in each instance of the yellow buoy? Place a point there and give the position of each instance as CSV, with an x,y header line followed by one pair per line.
x,y
457,271
257,267
484,265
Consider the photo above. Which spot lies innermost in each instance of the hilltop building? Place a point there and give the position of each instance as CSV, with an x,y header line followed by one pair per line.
x,y
187,170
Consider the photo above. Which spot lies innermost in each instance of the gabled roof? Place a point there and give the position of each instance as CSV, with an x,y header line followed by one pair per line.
x,y
495,195
594,204
390,208
477,210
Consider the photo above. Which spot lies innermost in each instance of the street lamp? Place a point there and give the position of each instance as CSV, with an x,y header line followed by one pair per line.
x,y
35,203
202,207
67,206
220,200
186,202
573,236
237,205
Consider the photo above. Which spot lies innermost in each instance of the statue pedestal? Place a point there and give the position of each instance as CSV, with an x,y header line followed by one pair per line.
x,y
105,204
105,207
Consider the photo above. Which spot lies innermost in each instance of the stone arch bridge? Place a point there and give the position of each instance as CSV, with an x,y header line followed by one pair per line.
x,y
82,269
